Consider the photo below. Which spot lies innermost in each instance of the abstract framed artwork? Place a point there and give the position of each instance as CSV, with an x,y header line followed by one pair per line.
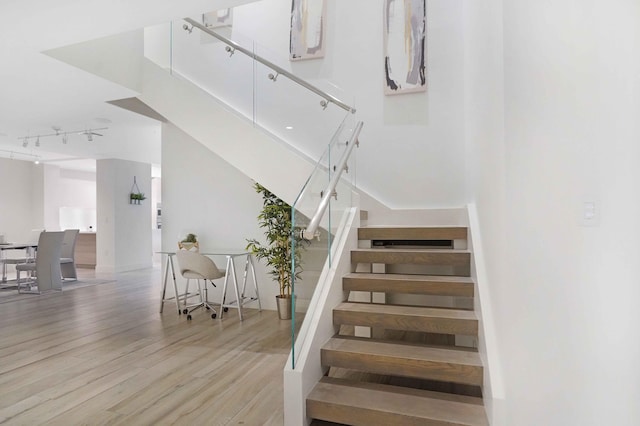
x,y
307,37
405,23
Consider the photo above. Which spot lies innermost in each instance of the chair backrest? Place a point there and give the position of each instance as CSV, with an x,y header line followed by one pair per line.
x,y
69,243
48,261
35,235
189,261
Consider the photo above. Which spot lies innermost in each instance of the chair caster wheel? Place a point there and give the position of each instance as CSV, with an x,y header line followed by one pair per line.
x,y
213,316
226,309
185,311
208,308
189,317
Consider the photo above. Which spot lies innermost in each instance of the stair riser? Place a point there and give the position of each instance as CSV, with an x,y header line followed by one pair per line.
x,y
357,416
401,322
419,369
409,287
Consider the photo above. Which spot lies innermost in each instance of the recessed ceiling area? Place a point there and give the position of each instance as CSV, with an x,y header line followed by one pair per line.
x,y
40,95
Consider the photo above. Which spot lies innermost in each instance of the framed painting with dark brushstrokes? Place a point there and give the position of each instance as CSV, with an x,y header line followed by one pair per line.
x,y
405,23
307,36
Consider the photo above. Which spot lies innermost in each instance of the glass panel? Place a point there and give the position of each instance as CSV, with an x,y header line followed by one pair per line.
x,y
315,253
283,108
214,67
292,112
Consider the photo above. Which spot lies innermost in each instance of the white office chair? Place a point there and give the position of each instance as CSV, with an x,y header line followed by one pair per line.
x,y
195,266
46,266
67,254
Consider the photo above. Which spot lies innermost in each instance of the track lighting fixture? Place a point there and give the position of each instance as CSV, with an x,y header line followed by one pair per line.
x,y
89,133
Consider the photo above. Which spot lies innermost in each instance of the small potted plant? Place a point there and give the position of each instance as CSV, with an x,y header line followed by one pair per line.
x,y
189,242
136,197
275,218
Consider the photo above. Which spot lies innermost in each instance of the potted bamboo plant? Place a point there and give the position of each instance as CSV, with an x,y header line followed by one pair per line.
x,y
275,219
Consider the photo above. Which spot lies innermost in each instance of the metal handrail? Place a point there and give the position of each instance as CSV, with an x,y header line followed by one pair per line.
x,y
280,71
310,231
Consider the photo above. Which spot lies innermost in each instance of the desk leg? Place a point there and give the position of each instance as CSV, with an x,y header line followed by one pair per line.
x,y
235,287
175,285
169,267
255,282
224,287
164,285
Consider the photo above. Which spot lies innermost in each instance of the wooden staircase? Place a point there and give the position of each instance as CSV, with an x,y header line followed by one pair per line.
x,y
410,358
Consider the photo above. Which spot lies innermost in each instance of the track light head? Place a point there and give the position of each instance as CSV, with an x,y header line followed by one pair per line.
x,y
25,142
38,141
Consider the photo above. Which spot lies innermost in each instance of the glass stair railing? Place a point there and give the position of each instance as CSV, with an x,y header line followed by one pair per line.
x,y
245,77
318,214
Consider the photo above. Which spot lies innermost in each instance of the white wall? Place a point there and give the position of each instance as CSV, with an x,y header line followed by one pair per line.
x,y
564,294
204,195
20,208
123,240
485,165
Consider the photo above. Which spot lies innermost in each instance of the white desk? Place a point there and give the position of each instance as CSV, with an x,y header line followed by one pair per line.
x,y
29,247
241,297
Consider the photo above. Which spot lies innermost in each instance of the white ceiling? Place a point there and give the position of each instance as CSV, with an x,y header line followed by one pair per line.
x,y
38,92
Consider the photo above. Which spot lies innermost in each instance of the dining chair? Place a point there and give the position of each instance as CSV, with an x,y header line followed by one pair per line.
x,y
29,252
193,265
67,254
46,266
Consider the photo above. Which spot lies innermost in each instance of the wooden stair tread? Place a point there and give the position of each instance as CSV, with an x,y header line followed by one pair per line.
x,y
451,257
410,284
420,311
377,404
412,233
402,351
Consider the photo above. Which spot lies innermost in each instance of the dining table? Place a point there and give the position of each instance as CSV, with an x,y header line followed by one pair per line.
x,y
29,248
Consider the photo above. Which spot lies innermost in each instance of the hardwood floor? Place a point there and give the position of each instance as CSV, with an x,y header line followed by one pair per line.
x,y
103,355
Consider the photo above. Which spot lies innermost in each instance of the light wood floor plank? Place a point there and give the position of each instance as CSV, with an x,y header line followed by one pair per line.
x,y
103,355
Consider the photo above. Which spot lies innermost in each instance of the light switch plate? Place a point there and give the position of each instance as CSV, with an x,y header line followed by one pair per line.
x,y
590,213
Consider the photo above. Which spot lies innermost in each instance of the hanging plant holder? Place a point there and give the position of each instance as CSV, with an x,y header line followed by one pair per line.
x,y
135,196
